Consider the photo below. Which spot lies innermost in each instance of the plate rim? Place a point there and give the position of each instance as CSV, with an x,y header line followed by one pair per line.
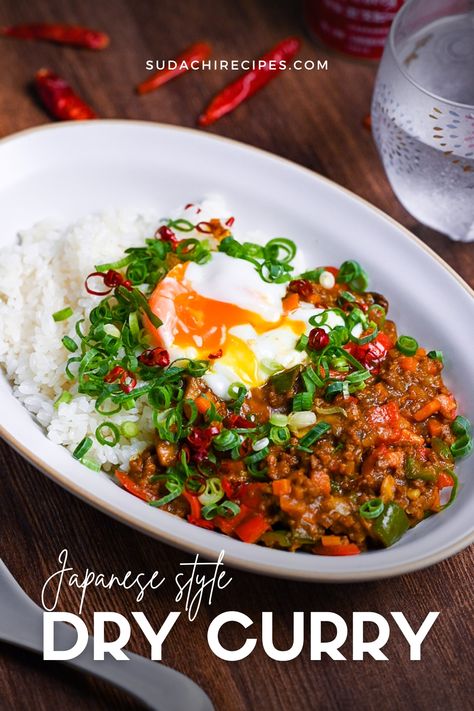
x,y
129,518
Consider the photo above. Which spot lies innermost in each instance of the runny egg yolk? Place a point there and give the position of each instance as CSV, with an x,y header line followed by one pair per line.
x,y
193,321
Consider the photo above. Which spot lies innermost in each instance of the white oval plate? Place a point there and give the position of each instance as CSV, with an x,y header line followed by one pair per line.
x,y
68,170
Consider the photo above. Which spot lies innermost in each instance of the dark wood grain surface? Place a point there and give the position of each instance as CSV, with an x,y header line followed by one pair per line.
x,y
313,118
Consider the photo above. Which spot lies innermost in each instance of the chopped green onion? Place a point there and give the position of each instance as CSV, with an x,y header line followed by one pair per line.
x,y
371,509
301,420
278,419
407,345
63,314
436,355
129,429
279,435
83,447
69,344
238,392
114,265
260,444
352,274
111,330
302,401
302,343
461,426
331,411
462,447
91,464
257,456
314,435
225,440
65,397
212,493
110,440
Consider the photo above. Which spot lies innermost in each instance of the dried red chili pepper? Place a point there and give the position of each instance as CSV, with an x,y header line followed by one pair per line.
x,y
197,52
60,34
166,234
252,81
155,356
318,339
217,354
238,422
126,378
111,279
59,99
302,287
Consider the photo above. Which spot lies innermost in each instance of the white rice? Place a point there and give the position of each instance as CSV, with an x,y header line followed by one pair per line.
x,y
43,273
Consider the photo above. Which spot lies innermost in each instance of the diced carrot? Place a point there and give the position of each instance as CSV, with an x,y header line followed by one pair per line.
x,y
345,549
408,363
280,487
421,352
444,479
331,540
291,302
252,528
202,404
131,486
430,408
434,428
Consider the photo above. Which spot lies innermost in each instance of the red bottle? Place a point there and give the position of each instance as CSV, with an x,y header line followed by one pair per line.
x,y
355,27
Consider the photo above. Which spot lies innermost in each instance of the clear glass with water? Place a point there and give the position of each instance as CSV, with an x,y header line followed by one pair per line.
x,y
423,113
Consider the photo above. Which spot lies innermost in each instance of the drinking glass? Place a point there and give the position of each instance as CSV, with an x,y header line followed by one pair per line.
x,y
423,113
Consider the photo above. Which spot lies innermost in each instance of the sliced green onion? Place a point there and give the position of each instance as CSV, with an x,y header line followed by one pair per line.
x,y
225,440
352,274
331,411
260,444
112,438
371,509
436,355
302,401
278,419
114,265
312,275
275,247
237,391
69,344
462,447
314,435
369,337
279,435
91,464
181,225
112,330
129,429
461,426
212,493
63,314
301,420
165,499
83,447
65,397
407,345
302,343
256,456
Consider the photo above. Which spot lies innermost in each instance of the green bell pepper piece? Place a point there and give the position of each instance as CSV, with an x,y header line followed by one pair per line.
x,y
283,382
392,523
415,470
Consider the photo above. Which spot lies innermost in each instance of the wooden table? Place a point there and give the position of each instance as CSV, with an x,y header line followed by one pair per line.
x,y
313,118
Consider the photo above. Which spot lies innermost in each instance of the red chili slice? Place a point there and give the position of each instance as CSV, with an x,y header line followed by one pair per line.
x,y
166,234
217,354
302,287
155,356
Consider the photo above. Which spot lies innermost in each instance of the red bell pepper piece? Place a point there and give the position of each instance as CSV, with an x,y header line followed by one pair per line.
x,y
59,99
252,528
270,65
343,549
131,486
60,34
195,53
444,480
